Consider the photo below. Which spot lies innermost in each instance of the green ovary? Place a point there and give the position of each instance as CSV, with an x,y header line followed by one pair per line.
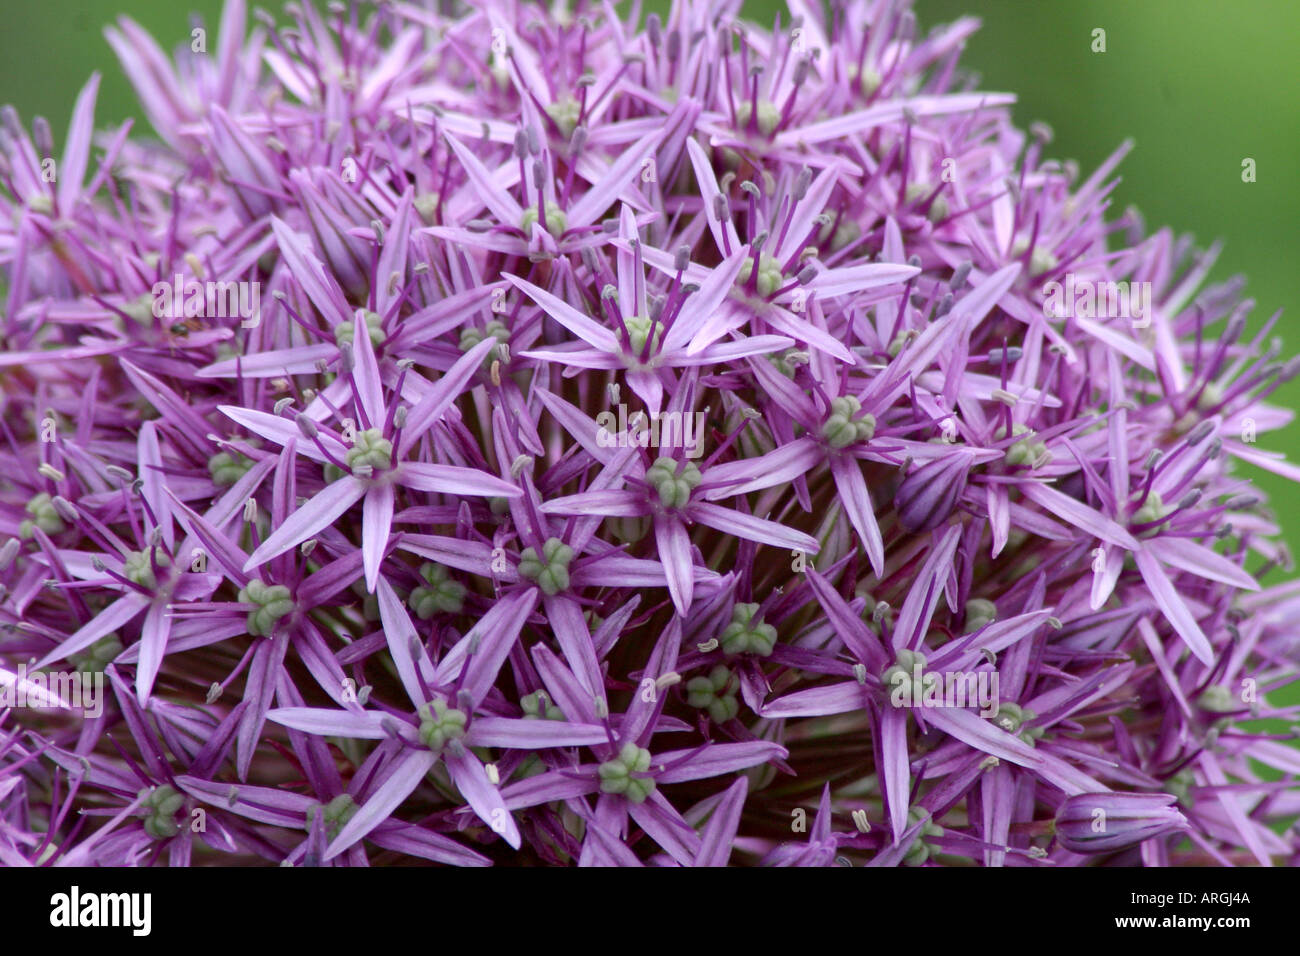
x,y
99,655
43,516
640,330
1026,451
768,116
556,221
908,667
566,111
227,468
616,775
1218,699
747,634
1153,509
336,813
426,204
372,449
442,594
716,693
538,706
345,332
938,208
273,602
1012,718
441,725
471,337
674,488
921,850
551,569
162,804
770,275
979,611
139,569
868,81
1042,260
843,427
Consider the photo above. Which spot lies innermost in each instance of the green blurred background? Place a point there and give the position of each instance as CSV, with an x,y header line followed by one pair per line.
x,y
1198,84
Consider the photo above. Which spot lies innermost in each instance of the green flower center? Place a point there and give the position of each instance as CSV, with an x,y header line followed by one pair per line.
x,y
471,337
566,111
770,275
938,208
1040,261
426,204
99,655
747,634
371,449
908,667
716,692
273,602
1028,450
921,849
673,487
556,220
1012,718
641,329
616,776
43,515
345,332
846,232
442,594
1218,699
843,427
980,611
630,529
441,725
227,468
539,706
162,804
139,569
550,569
1153,509
769,115
140,309
336,813
868,81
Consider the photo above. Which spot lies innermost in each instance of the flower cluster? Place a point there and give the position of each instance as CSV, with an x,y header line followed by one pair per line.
x,y
307,463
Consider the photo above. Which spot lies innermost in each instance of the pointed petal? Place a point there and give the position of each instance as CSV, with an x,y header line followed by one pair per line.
x,y
455,480
752,528
281,430
153,646
483,796
319,513
376,525
412,765
1167,597
856,499
675,556
720,832
365,374
569,317
403,642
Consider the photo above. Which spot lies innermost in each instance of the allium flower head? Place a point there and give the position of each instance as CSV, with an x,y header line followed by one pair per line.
x,y
516,435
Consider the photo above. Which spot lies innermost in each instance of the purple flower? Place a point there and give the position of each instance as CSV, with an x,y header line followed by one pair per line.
x,y
310,464
1105,822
